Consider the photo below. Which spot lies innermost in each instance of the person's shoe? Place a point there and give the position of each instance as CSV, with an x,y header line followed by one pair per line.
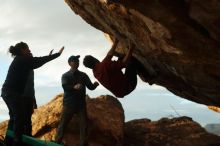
x,y
61,143
85,144
2,143
8,141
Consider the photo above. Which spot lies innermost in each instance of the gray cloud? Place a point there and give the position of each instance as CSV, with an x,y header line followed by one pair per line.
x,y
47,25
40,20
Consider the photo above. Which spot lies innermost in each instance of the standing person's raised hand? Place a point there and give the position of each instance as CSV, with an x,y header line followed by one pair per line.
x,y
51,52
61,50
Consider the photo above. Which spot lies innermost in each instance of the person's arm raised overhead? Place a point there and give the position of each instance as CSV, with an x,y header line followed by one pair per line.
x,y
36,62
128,56
112,50
51,52
61,50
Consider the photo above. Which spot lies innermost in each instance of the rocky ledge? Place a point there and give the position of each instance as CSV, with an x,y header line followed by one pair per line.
x,y
177,41
107,127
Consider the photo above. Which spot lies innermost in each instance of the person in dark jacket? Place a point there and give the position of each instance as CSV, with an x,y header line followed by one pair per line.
x,y
109,73
31,104
74,83
13,89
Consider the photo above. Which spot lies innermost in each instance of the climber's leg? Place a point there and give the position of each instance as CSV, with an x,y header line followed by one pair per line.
x,y
131,75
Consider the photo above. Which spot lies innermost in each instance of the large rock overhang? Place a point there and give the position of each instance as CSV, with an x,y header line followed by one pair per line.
x,y
177,39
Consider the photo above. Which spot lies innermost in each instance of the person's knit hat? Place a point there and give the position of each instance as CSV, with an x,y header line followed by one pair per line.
x,y
74,58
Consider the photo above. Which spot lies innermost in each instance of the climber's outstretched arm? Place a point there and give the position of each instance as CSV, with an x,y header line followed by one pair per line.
x,y
112,50
128,56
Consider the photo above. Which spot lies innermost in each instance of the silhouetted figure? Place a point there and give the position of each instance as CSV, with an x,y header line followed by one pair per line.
x,y
74,83
13,90
109,73
29,97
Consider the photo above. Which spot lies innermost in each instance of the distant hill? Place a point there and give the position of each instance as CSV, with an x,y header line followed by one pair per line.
x,y
213,128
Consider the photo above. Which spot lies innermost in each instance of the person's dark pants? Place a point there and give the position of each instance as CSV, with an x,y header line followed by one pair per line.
x,y
131,75
29,109
9,140
66,116
20,118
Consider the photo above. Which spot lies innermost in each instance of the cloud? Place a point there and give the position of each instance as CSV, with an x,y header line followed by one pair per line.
x,y
36,23
34,20
45,28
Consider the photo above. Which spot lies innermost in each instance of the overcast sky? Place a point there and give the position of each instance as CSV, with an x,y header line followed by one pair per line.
x,y
51,24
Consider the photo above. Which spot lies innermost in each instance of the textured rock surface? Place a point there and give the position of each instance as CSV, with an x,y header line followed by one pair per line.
x,y
107,127
176,39
214,108
3,127
168,132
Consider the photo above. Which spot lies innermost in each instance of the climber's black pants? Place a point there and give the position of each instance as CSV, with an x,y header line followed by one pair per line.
x,y
131,75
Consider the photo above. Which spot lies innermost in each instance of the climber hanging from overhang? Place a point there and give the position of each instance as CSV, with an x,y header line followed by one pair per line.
x,y
109,73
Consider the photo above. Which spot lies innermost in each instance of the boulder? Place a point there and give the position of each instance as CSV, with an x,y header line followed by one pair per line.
x,y
177,41
108,128
182,131
106,122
